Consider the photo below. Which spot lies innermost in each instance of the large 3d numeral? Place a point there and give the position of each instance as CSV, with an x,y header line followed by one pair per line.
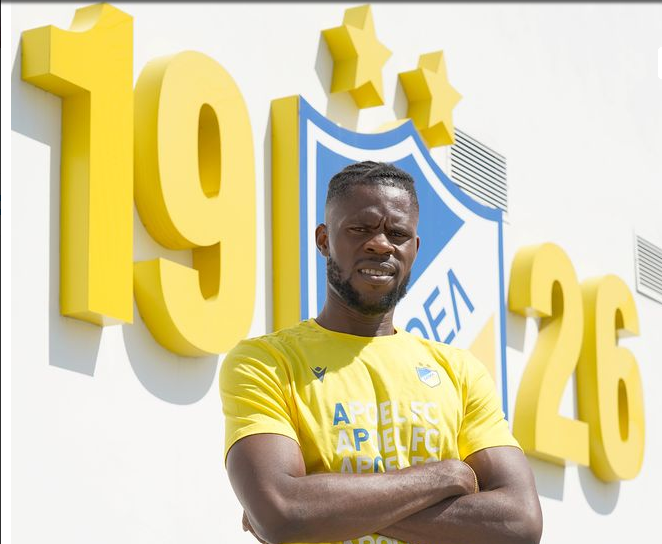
x,y
543,284
611,398
611,432
195,189
91,68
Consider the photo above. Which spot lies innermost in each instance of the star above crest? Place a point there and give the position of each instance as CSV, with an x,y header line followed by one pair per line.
x,y
431,99
358,58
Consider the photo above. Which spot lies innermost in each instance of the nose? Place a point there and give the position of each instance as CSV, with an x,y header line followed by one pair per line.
x,y
379,244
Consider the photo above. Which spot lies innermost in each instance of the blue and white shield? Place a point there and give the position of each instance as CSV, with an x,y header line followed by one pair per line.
x,y
456,291
428,376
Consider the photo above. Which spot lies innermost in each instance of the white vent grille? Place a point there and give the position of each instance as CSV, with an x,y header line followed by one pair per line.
x,y
648,259
479,171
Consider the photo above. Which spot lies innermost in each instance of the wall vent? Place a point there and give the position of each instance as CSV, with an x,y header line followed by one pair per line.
x,y
648,265
479,171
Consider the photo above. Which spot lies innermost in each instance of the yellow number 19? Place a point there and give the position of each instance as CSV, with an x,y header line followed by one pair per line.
x,y
195,183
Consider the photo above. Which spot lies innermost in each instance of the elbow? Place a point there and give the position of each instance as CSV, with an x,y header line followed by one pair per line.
x,y
271,534
531,528
275,533
275,524
523,523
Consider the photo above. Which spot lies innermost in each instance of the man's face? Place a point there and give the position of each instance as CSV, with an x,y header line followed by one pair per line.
x,y
370,243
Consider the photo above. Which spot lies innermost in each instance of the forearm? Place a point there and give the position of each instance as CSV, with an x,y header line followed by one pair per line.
x,y
330,507
489,517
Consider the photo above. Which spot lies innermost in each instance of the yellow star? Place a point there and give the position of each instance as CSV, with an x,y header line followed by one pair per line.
x,y
431,99
358,58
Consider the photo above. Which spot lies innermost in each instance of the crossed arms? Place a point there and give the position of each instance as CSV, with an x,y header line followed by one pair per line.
x,y
433,503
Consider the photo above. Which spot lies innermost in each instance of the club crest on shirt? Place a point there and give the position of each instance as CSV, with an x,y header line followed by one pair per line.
x,y
449,299
428,376
319,372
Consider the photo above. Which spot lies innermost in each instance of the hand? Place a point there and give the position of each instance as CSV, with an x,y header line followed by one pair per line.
x,y
248,527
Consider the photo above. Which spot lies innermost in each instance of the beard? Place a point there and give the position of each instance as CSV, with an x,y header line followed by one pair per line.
x,y
354,299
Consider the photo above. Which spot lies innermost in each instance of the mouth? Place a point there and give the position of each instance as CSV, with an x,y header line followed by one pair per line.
x,y
377,274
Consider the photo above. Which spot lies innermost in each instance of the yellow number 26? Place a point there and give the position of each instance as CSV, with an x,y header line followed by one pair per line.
x,y
578,329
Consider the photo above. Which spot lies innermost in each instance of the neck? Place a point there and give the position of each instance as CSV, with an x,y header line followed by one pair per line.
x,y
338,316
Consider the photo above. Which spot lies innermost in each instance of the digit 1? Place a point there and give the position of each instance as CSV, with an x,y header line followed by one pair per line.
x,y
91,67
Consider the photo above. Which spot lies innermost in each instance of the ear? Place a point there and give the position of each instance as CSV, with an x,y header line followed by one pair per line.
x,y
418,243
322,239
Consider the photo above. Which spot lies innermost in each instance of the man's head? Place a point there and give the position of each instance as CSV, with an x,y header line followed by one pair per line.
x,y
369,236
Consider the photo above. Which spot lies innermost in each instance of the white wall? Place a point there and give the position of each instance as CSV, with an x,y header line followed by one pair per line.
x,y
114,439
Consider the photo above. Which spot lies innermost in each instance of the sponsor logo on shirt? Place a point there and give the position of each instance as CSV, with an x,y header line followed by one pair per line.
x,y
319,372
428,376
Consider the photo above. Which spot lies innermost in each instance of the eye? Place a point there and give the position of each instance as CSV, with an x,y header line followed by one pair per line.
x,y
358,229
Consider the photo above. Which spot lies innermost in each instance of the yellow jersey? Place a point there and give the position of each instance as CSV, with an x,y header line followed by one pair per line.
x,y
358,404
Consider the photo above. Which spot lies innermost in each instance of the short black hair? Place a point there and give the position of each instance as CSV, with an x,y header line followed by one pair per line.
x,y
370,173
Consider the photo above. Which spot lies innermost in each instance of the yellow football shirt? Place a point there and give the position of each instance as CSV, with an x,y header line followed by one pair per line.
x,y
361,404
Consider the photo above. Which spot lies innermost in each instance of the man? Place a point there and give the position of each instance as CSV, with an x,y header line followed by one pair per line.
x,y
331,436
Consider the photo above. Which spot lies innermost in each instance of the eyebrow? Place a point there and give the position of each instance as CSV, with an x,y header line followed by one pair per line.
x,y
397,223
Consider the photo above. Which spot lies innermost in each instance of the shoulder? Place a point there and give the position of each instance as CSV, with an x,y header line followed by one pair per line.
x,y
270,349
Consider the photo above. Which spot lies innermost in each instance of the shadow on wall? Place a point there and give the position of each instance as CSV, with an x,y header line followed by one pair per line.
x,y
401,105
550,478
602,496
36,114
174,379
340,107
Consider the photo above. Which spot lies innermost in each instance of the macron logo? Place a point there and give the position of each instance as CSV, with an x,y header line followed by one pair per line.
x,y
319,372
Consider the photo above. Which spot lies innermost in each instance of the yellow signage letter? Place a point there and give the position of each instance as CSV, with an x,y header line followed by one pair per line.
x,y
611,399
91,67
543,284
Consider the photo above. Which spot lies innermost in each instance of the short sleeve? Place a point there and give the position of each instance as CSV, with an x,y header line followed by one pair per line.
x,y
255,393
484,424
